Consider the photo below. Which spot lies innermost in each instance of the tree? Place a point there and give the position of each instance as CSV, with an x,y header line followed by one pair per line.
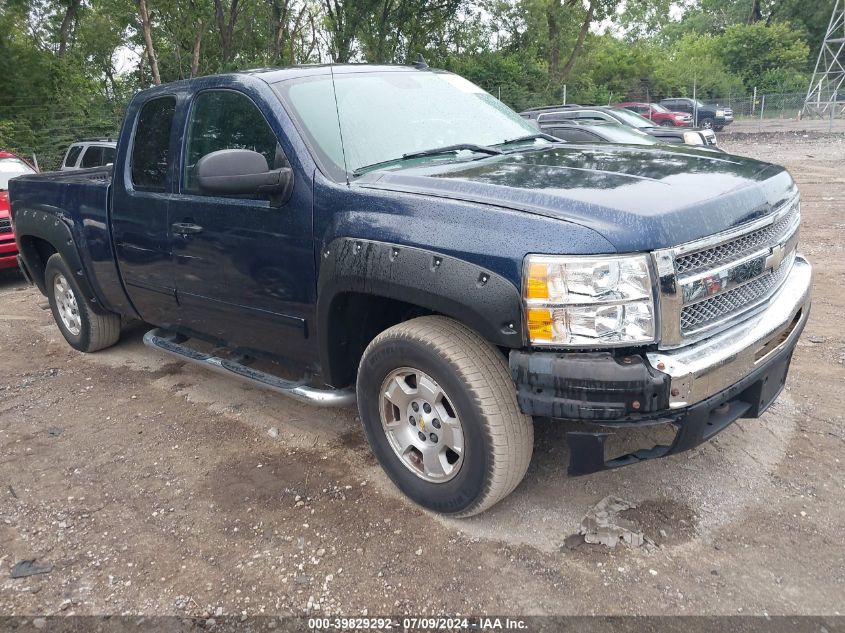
x,y
146,25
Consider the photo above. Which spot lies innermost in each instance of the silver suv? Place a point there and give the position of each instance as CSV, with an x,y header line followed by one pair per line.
x,y
89,153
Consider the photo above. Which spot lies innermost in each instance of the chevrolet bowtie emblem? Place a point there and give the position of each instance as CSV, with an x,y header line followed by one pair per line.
x,y
775,258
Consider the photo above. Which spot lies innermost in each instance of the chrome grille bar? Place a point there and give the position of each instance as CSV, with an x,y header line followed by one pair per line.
x,y
738,248
707,285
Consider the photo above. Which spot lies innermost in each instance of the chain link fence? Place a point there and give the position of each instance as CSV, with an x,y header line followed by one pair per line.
x,y
760,105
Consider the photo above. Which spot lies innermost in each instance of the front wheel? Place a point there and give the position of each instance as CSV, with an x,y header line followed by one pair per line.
x,y
667,123
707,123
83,328
439,410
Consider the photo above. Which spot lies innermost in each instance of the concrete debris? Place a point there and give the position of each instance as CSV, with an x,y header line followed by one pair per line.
x,y
30,568
602,524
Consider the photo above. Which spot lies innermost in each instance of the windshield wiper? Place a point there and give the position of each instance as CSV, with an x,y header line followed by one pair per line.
x,y
449,149
437,151
531,137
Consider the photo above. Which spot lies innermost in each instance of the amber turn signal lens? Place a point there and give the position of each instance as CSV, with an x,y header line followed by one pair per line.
x,y
540,325
538,281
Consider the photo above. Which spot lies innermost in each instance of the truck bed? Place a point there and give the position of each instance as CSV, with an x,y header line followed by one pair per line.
x,y
80,200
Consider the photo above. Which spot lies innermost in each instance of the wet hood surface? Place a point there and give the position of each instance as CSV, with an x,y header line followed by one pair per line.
x,y
637,198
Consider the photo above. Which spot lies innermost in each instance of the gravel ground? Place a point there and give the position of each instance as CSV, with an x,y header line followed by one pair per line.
x,y
150,486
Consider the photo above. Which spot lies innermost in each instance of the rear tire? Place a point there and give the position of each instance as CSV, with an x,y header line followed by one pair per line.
x,y
457,389
84,328
667,123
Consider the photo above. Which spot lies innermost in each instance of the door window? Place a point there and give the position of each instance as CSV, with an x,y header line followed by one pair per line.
x,y
108,155
72,155
152,144
225,119
93,157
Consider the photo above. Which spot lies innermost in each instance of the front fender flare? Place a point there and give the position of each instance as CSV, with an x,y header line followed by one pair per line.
x,y
482,300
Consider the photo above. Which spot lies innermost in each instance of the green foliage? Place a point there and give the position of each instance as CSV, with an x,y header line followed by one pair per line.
x,y
751,50
70,66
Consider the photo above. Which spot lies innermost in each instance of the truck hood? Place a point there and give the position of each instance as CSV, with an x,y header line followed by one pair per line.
x,y
638,198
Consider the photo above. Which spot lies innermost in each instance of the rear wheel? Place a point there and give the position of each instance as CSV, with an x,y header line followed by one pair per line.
x,y
667,123
440,412
83,328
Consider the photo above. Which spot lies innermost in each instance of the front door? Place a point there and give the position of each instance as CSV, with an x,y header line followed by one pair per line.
x,y
243,265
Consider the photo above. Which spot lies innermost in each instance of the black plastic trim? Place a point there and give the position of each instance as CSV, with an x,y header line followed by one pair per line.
x,y
479,298
595,386
50,228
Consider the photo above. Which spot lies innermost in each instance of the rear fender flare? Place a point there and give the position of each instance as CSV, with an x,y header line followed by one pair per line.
x,y
54,230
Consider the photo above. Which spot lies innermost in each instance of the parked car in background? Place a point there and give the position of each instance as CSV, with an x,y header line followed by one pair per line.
x,y
348,221
573,112
588,131
89,153
656,113
10,166
709,117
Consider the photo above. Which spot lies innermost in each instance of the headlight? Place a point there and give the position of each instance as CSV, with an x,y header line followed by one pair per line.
x,y
588,301
720,114
693,138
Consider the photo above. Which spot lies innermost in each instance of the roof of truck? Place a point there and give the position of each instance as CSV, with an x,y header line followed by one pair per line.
x,y
273,75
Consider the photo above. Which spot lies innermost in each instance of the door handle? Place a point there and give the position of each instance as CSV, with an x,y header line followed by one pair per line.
x,y
185,228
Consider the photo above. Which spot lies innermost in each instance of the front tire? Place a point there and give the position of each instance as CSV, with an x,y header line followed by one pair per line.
x,y
707,123
84,328
439,409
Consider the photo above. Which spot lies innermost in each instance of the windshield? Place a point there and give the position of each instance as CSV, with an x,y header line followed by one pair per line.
x,y
385,115
658,108
631,118
11,167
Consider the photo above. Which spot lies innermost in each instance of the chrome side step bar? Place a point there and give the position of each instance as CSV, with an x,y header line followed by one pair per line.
x,y
172,344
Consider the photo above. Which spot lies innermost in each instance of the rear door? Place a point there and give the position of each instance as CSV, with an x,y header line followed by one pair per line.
x,y
243,265
140,198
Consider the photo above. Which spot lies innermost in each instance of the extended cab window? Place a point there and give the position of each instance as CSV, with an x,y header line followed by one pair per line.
x,y
225,119
152,142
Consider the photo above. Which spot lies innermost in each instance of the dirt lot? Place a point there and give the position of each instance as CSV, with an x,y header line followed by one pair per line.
x,y
155,487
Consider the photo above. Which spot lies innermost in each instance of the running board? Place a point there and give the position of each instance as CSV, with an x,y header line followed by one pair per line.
x,y
172,344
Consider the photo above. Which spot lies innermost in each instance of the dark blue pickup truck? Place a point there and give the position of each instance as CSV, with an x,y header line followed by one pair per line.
x,y
397,236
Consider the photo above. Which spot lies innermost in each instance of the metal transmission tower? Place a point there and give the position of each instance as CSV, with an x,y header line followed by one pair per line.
x,y
826,94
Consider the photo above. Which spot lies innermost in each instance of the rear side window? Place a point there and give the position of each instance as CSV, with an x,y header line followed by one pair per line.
x,y
108,155
93,157
224,119
152,142
72,155
573,135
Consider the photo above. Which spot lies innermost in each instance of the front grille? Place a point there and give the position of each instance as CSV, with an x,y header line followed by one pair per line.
x,y
708,285
710,311
5,225
738,248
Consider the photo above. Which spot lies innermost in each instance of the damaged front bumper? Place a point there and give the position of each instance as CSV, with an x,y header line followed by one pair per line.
x,y
699,389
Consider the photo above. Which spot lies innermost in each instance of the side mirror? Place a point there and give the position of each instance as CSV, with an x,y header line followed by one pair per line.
x,y
240,171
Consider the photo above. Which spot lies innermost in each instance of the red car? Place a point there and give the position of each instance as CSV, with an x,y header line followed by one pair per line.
x,y
658,114
10,166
